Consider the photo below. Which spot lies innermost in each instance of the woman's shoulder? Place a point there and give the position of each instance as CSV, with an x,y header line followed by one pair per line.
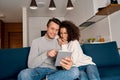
x,y
74,42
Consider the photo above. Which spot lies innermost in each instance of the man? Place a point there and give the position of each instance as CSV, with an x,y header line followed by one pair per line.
x,y
42,58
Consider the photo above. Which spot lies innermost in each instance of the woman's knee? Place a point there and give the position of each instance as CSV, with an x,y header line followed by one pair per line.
x,y
92,72
74,72
92,69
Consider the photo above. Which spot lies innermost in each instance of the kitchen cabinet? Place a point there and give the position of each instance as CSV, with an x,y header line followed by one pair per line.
x,y
111,8
106,11
108,28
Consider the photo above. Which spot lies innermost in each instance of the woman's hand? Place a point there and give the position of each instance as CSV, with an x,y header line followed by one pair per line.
x,y
62,41
66,63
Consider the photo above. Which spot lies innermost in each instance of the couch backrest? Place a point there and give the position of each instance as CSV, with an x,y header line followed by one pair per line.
x,y
12,61
103,54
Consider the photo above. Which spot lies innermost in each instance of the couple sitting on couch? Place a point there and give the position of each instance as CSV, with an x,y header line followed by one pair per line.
x,y
44,50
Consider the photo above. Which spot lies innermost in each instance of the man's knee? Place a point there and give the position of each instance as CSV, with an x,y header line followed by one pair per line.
x,y
24,74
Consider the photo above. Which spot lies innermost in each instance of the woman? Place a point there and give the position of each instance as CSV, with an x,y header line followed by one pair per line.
x,y
69,41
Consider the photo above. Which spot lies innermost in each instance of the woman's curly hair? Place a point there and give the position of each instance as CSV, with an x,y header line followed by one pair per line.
x,y
72,30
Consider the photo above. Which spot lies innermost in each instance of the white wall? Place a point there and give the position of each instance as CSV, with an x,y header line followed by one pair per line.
x,y
100,4
107,28
83,10
36,25
96,30
114,20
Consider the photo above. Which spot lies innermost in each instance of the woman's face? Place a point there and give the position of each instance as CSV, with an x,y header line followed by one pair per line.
x,y
63,34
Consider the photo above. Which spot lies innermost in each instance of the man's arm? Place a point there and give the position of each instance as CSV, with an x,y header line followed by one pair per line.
x,y
35,59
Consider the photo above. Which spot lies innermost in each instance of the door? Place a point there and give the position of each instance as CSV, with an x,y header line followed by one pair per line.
x,y
15,39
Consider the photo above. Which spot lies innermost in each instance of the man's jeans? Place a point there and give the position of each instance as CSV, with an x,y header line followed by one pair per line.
x,y
50,74
89,72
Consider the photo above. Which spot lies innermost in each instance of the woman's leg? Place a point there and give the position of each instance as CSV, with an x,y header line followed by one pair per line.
x,y
92,72
34,74
71,74
82,75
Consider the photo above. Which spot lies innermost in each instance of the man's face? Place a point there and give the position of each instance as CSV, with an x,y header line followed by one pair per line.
x,y
52,30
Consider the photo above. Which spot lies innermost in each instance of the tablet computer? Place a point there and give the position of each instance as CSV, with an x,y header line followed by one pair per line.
x,y
60,55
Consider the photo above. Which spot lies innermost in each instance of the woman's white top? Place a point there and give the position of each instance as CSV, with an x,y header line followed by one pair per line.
x,y
78,57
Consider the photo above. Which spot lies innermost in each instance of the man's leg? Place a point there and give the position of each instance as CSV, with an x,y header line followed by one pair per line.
x,y
34,74
71,74
92,72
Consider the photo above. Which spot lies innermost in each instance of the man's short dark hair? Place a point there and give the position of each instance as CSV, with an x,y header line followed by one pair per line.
x,y
55,20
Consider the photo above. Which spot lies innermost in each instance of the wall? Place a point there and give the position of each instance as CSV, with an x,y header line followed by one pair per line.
x,y
107,28
96,30
83,10
114,22
36,25
100,4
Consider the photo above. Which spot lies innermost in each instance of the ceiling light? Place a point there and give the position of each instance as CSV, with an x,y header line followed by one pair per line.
x,y
52,5
33,5
69,5
2,15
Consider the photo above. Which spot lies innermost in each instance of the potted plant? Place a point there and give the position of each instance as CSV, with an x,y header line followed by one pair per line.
x,y
91,40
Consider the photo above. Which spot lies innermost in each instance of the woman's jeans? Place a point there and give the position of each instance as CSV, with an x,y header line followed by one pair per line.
x,y
89,72
50,74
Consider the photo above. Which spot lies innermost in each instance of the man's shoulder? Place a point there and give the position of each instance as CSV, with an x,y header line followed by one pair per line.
x,y
38,39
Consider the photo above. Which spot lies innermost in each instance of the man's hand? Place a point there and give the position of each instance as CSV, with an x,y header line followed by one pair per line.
x,y
52,53
66,63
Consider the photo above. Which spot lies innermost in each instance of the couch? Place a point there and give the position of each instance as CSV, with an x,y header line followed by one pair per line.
x,y
105,55
12,61
107,58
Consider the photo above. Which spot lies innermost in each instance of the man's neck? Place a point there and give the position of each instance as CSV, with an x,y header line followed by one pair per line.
x,y
48,38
